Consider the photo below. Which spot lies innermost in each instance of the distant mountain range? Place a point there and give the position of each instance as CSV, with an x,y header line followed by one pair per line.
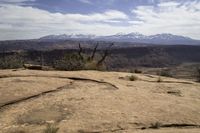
x,y
131,37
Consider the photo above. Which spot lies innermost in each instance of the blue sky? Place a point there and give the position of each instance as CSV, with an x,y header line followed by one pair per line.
x,y
27,19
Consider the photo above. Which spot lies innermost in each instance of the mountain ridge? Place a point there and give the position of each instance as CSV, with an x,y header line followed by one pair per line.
x,y
164,38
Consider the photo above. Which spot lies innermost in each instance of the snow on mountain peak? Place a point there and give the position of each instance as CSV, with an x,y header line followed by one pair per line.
x,y
164,38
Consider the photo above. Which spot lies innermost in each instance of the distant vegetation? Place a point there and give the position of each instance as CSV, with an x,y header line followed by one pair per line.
x,y
135,71
165,73
92,55
198,74
14,60
69,60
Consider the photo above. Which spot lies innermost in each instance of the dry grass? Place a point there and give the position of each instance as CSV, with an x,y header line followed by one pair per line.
x,y
159,79
51,128
133,78
156,125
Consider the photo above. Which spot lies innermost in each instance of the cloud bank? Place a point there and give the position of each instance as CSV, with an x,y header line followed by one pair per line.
x,y
170,17
26,22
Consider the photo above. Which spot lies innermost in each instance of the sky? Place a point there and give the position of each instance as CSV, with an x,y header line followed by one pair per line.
x,y
30,19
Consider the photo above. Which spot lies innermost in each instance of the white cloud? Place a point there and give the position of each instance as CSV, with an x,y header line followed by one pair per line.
x,y
170,17
15,1
27,22
168,4
86,1
19,22
108,15
20,13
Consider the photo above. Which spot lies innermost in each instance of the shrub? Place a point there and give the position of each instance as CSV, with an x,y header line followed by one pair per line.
x,y
133,78
73,61
137,71
69,62
11,62
159,79
90,65
198,74
156,125
51,128
165,73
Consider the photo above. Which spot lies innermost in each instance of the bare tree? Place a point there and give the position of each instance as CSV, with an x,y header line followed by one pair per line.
x,y
3,54
198,74
91,58
106,53
80,51
41,59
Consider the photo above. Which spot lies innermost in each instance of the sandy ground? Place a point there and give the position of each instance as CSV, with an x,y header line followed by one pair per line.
x,y
97,102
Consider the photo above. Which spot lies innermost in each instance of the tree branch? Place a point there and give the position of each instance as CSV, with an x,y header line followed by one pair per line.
x,y
80,51
106,53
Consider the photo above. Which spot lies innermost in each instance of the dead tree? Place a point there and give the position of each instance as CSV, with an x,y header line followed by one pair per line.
x,y
41,58
106,53
3,55
80,51
198,74
91,58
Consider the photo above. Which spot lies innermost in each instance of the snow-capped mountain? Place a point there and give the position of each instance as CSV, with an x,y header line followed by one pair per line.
x,y
65,37
131,37
171,39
